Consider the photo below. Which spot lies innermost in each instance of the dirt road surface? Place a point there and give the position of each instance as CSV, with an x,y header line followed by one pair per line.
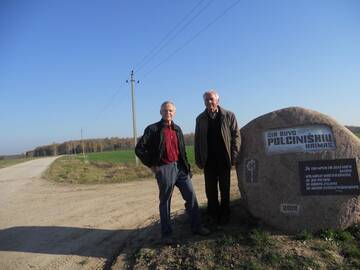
x,y
44,225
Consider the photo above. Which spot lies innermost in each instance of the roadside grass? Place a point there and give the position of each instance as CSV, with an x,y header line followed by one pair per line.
x,y
247,244
9,162
74,170
103,167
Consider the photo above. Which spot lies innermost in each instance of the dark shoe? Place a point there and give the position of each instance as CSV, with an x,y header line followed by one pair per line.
x,y
202,231
167,240
224,220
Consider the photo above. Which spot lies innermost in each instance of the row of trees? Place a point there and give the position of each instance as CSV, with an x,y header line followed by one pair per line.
x,y
107,144
354,129
90,145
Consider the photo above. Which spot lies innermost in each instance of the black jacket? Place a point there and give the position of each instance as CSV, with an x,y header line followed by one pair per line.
x,y
150,147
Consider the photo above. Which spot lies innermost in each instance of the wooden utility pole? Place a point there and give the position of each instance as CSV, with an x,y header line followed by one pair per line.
x,y
82,144
132,81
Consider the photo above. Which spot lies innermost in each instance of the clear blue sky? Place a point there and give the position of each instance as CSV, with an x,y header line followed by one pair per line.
x,y
64,63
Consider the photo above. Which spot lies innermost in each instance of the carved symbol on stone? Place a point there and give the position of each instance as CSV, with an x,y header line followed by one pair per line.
x,y
251,170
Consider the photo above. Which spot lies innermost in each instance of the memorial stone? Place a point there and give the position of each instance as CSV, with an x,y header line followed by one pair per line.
x,y
298,169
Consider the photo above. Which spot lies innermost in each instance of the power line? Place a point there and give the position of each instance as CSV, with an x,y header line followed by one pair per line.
x,y
170,36
157,49
109,103
166,40
193,37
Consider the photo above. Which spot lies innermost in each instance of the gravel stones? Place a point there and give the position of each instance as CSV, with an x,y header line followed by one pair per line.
x,y
298,169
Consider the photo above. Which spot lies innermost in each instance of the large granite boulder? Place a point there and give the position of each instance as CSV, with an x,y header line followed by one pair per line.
x,y
298,170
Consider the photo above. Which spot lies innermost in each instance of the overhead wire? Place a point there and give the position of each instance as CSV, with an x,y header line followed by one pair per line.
x,y
193,37
106,107
166,36
111,100
161,45
172,34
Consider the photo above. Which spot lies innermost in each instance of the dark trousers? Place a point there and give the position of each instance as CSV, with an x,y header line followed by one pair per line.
x,y
217,176
168,176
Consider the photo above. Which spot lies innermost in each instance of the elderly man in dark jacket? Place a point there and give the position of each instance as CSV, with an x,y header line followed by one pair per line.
x,y
162,149
217,145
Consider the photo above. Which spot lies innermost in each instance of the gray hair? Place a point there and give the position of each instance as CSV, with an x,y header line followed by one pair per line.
x,y
165,103
211,92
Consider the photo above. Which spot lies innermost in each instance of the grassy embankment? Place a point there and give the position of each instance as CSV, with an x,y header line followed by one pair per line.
x,y
103,167
248,244
9,162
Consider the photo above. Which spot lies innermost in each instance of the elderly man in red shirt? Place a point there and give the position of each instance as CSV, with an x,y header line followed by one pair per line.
x,y
162,149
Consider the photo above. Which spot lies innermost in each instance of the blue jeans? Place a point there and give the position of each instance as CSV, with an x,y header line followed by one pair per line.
x,y
168,176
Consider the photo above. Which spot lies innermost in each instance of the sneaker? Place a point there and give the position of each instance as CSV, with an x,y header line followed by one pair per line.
x,y
202,231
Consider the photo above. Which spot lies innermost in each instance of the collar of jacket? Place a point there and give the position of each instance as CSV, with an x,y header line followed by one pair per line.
x,y
163,125
220,111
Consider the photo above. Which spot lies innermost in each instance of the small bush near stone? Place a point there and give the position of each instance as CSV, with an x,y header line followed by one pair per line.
x,y
304,235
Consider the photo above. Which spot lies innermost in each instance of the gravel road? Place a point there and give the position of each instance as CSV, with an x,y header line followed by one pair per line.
x,y
44,225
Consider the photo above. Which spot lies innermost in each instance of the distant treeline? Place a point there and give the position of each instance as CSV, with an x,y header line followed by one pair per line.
x,y
7,157
354,129
100,145
90,145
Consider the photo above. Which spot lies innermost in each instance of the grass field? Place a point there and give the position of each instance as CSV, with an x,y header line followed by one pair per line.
x,y
9,162
128,156
357,134
103,167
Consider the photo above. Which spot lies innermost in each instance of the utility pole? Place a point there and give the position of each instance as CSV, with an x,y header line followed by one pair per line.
x,y
132,81
82,144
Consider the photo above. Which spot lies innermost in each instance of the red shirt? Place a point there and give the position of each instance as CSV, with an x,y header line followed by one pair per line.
x,y
171,151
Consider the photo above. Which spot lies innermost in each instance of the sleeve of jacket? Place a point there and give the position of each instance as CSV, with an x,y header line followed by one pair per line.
x,y
235,139
197,145
142,149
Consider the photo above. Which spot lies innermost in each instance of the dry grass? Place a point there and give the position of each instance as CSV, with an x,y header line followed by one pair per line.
x,y
248,244
77,171
103,167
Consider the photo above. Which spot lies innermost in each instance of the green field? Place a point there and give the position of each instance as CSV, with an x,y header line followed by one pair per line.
x,y
128,156
358,134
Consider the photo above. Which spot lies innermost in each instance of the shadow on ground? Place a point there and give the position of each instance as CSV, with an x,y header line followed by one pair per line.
x,y
116,246
149,237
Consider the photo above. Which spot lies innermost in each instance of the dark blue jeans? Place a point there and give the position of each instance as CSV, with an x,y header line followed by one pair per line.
x,y
168,176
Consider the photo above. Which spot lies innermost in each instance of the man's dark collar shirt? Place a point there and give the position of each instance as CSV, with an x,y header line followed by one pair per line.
x,y
171,153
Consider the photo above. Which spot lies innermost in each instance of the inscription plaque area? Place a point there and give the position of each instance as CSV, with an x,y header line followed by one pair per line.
x,y
329,177
313,138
